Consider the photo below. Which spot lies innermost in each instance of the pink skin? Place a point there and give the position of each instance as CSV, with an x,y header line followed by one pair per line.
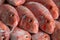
x,y
43,15
28,21
57,2
16,2
56,34
19,34
40,36
9,15
1,2
50,5
4,32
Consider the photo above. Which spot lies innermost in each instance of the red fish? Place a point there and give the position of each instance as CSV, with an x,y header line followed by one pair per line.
x,y
9,15
40,36
4,32
50,5
19,34
43,15
28,21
